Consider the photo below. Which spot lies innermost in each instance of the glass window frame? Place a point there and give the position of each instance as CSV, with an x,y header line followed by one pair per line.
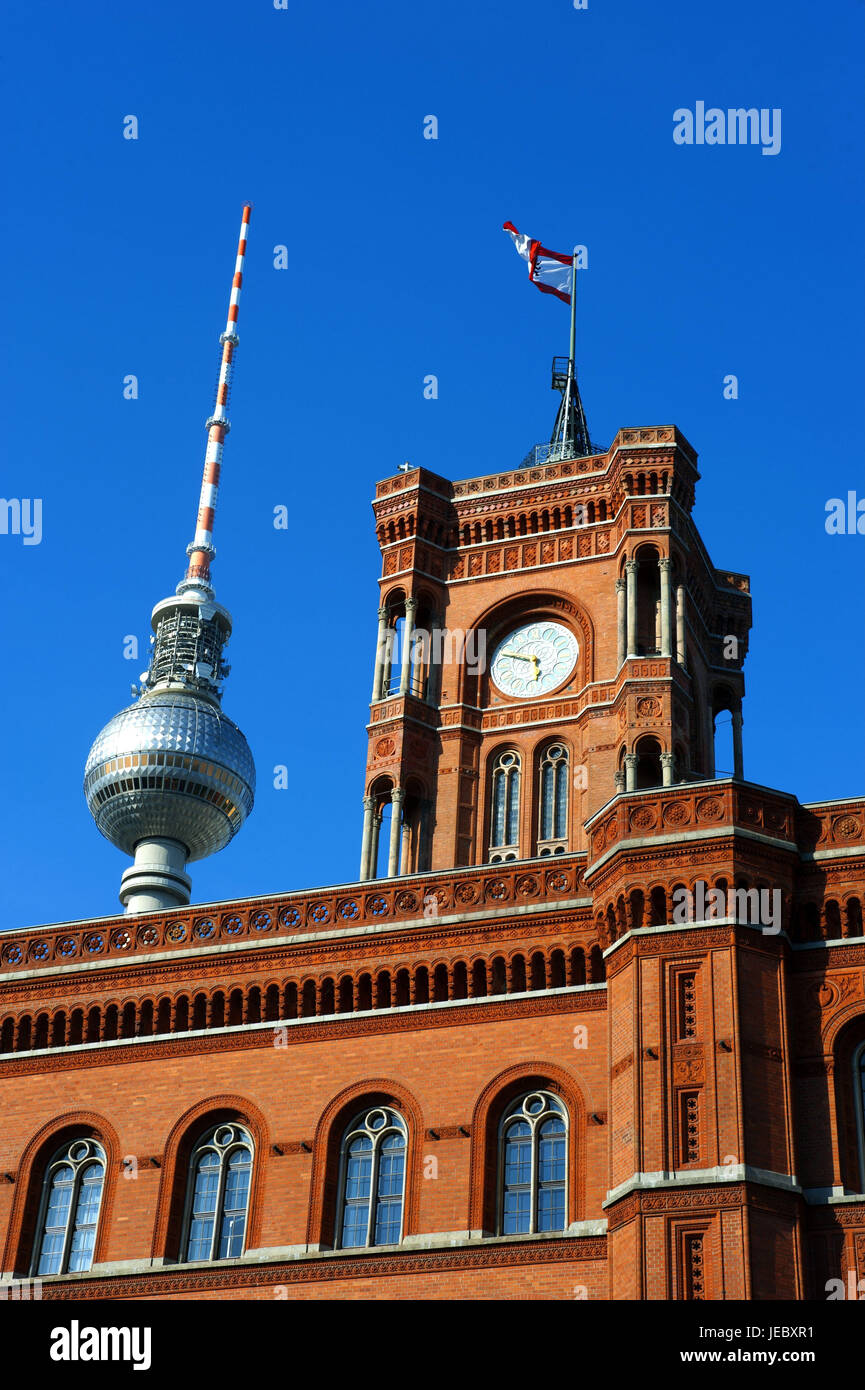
x,y
513,1113
360,1127
95,1153
241,1139
559,766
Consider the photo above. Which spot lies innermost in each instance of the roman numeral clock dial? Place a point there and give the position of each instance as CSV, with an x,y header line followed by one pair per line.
x,y
534,659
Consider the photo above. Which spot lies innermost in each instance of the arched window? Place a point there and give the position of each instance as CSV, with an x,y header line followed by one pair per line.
x,y
533,1156
553,796
71,1197
505,802
372,1179
218,1194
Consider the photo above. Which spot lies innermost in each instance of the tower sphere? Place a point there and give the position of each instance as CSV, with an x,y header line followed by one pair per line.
x,y
170,766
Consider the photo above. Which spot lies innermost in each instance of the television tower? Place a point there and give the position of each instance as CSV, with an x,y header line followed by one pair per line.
x,y
171,778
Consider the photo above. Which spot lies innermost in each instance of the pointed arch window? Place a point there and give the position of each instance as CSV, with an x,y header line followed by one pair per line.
x,y
505,807
372,1179
217,1200
69,1213
533,1141
553,797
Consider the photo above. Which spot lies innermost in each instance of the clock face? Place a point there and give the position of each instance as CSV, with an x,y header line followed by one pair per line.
x,y
534,659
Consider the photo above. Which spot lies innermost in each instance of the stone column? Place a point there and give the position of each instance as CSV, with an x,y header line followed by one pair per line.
x,y
631,588
405,848
738,764
680,625
630,772
390,638
665,566
380,651
666,769
408,629
619,782
373,848
396,800
621,630
366,841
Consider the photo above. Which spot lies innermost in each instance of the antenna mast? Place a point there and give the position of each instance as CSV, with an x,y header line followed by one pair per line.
x,y
201,550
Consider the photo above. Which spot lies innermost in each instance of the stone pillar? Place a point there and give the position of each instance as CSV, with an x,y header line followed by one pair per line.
x,y
366,840
373,849
665,566
666,769
621,630
408,630
680,625
738,764
405,848
631,589
390,638
396,800
380,652
619,782
630,772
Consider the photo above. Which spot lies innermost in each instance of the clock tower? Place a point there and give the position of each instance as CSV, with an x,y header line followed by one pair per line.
x,y
548,637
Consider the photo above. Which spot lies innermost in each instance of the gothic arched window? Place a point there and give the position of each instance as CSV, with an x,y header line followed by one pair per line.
x,y
505,807
372,1179
553,797
217,1198
71,1197
533,1141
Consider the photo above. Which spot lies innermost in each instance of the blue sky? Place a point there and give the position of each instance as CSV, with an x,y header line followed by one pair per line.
x,y
703,261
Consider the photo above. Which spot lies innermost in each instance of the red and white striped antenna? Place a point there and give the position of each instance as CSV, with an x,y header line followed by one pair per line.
x,y
201,550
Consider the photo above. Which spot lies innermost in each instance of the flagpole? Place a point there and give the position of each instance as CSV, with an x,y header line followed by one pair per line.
x,y
573,316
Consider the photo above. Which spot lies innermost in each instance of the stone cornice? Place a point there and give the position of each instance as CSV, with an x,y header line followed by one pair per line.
x,y
330,1265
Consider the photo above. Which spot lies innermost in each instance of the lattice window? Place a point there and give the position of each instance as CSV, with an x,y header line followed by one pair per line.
x,y
694,1267
689,1127
687,1005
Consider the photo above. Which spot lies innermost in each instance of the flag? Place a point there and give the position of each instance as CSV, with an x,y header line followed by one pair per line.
x,y
549,270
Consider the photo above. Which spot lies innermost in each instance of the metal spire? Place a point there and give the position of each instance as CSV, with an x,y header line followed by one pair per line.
x,y
201,550
191,629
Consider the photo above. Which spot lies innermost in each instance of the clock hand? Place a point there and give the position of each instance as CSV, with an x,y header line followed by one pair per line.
x,y
516,656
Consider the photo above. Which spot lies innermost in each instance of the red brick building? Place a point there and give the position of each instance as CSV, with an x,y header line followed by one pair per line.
x,y
591,1023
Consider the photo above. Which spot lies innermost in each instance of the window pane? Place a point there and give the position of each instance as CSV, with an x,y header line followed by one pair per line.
x,y
204,1198
561,829
518,1155
358,1178
546,802
233,1227
498,837
517,1213
56,1218
86,1214
391,1166
513,806
551,1208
